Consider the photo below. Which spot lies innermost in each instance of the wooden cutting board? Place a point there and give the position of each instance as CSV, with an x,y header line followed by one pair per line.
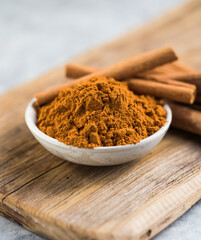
x,y
61,200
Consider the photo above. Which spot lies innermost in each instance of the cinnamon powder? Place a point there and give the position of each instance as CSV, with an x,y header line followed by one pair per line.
x,y
101,112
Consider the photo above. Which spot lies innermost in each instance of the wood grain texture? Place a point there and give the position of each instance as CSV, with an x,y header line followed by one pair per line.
x,y
61,200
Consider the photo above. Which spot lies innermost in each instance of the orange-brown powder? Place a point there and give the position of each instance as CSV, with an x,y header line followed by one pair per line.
x,y
101,112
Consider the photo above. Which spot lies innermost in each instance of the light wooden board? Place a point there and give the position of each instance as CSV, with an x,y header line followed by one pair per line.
x,y
61,200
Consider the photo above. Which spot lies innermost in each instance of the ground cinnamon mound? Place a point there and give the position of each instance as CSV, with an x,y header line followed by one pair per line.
x,y
101,112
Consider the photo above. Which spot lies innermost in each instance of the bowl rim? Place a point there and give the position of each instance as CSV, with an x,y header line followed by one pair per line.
x,y
30,120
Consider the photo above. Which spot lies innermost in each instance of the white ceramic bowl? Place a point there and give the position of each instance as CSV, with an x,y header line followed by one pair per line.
x,y
99,156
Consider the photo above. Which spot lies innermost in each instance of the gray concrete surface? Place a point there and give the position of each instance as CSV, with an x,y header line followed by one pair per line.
x,y
36,36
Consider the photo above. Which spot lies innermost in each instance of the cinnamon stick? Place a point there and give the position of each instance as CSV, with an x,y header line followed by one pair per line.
x,y
74,70
191,78
177,71
172,82
119,71
175,67
186,118
171,70
159,87
164,90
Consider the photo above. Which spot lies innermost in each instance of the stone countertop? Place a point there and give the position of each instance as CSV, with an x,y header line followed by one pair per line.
x,y
36,36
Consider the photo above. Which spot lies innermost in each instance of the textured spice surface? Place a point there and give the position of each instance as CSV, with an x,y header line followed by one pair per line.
x,y
101,112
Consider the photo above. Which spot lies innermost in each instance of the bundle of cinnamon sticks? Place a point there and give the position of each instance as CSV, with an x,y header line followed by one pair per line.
x,y
156,73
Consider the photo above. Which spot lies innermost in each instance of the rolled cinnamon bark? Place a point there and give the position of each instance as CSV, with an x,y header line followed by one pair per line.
x,y
186,118
76,71
164,90
191,78
173,82
177,71
182,79
73,70
159,87
175,67
170,70
119,71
